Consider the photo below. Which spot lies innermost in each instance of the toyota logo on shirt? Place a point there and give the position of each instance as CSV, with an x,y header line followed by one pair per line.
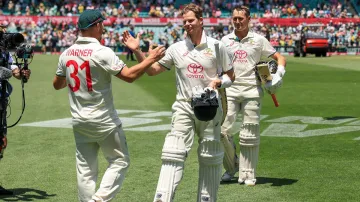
x,y
195,70
240,54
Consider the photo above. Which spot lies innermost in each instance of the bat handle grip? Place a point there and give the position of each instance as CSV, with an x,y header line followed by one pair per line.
x,y
275,100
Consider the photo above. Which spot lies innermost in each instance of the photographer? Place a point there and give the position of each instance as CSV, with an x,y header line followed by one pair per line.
x,y
15,69
5,68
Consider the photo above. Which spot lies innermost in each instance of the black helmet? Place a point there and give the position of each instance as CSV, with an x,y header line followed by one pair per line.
x,y
205,106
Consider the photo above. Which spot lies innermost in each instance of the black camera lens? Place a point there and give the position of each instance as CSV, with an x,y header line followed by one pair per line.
x,y
14,38
11,40
17,38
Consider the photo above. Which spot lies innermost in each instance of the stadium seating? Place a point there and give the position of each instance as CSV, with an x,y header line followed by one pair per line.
x,y
41,34
356,4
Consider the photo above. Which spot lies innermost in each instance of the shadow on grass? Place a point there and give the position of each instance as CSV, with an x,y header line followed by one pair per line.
x,y
267,180
26,194
338,117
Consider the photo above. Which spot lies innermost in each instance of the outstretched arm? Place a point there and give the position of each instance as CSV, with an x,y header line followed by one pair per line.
x,y
134,45
131,74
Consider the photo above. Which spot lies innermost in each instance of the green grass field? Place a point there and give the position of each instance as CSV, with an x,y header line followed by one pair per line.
x,y
309,146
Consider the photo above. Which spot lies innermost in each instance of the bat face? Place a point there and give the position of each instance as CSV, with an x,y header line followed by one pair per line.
x,y
264,73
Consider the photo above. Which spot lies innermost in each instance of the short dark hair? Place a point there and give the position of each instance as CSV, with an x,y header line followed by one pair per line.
x,y
194,8
241,8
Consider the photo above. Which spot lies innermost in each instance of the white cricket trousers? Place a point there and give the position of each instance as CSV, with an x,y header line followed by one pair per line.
x,y
115,151
179,142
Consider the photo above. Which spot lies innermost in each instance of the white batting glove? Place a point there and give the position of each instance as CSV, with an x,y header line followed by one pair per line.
x,y
197,91
280,71
272,86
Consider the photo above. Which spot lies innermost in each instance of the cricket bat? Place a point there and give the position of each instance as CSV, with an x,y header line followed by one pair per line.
x,y
265,76
220,71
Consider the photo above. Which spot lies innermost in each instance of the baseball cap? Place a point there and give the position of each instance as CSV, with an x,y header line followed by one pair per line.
x,y
89,18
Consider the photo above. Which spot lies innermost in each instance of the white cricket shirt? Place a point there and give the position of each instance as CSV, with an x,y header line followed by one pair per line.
x,y
195,66
245,54
88,67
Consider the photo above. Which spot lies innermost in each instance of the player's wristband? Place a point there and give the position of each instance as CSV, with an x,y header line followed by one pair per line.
x,y
225,81
281,70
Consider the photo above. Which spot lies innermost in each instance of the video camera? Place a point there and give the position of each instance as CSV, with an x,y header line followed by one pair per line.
x,y
15,42
22,52
10,41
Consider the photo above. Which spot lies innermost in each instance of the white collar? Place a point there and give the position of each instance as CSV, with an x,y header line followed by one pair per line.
x,y
203,40
234,37
87,39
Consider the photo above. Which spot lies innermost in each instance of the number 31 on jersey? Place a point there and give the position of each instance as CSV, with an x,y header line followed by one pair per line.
x,y
74,75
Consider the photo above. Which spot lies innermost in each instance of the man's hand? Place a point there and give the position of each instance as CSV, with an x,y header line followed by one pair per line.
x,y
16,73
157,53
215,84
26,73
131,42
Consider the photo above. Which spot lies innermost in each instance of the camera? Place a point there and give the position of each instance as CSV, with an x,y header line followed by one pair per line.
x,y
15,42
10,41
24,51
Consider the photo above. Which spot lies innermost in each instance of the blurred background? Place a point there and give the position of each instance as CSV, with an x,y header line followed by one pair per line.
x,y
50,26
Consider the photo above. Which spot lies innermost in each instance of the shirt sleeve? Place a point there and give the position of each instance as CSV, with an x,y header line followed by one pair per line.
x,y
167,61
109,61
225,58
267,49
61,68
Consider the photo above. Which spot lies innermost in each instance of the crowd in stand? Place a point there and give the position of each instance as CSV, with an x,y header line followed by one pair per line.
x,y
338,35
167,8
55,37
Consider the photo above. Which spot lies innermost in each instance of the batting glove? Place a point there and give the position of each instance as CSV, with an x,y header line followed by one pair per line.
x,y
280,71
272,86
